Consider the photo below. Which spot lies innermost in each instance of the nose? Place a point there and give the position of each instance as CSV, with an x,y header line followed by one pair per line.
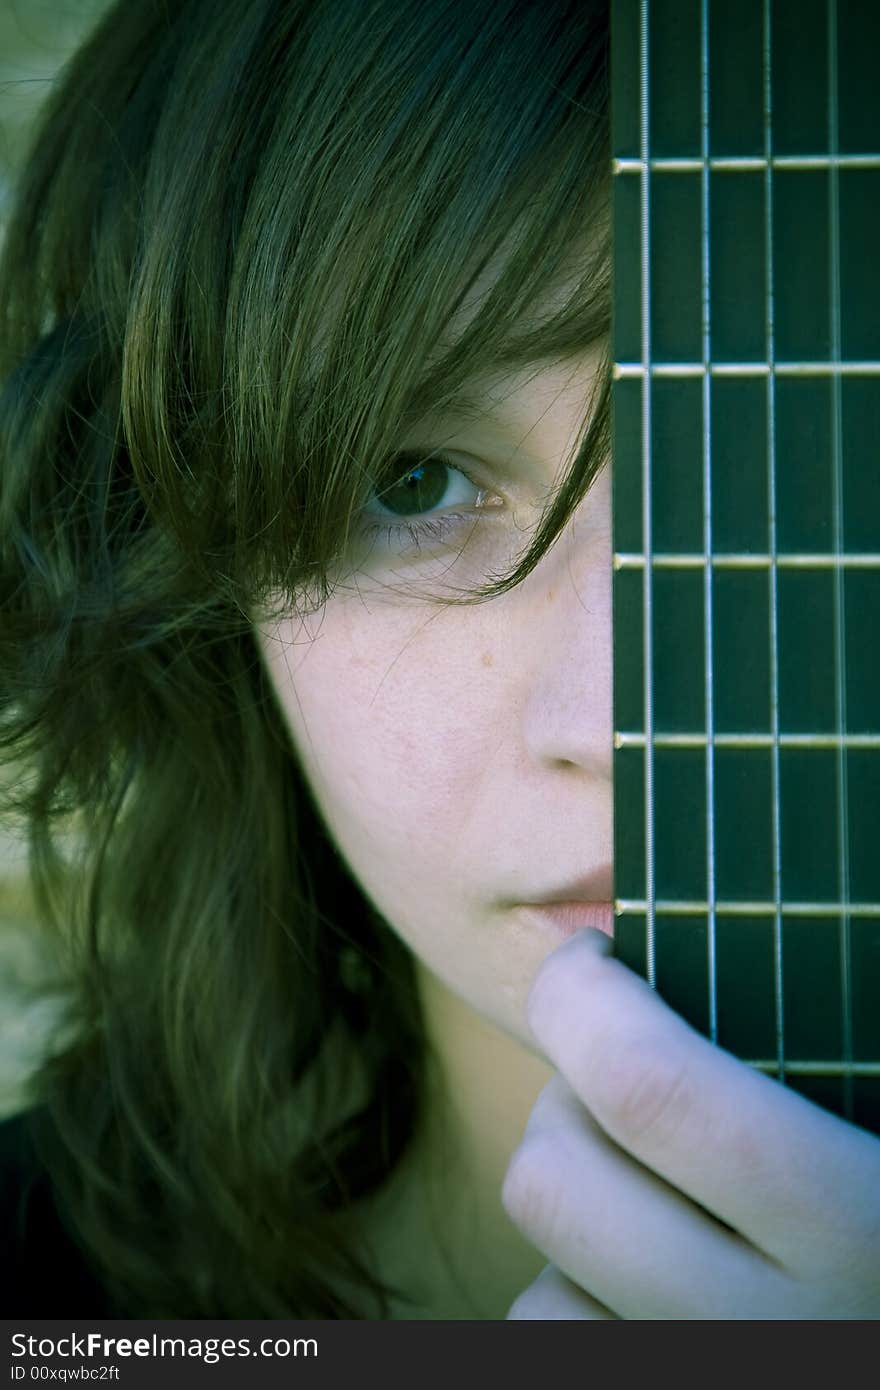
x,y
568,714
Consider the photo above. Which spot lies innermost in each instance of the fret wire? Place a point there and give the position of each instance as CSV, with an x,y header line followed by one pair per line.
x,y
665,560
773,634
843,1069
708,672
839,574
869,367
744,908
647,582
670,164
835,563
636,739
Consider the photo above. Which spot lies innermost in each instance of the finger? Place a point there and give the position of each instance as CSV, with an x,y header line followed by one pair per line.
x,y
757,1155
552,1297
623,1235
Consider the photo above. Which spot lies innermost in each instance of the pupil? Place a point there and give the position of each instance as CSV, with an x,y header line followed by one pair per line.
x,y
420,487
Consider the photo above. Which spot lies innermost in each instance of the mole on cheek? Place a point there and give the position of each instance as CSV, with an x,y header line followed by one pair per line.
x,y
487,658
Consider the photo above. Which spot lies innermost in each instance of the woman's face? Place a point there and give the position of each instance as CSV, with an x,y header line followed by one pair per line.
x,y
461,756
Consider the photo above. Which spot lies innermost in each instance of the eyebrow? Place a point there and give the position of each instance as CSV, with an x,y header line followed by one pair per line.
x,y
473,401
468,402
460,410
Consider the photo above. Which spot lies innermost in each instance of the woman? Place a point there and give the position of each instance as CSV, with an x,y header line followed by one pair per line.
x,y
306,615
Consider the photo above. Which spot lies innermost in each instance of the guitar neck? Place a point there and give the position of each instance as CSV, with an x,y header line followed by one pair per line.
x,y
746,473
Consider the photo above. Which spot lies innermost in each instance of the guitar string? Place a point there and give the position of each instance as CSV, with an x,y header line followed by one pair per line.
x,y
837,561
712,984
647,583
839,572
773,558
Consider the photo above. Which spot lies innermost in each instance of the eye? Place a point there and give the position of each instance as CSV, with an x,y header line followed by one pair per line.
x,y
410,488
412,483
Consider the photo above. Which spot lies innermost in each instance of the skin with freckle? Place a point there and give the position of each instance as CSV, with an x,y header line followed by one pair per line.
x,y
258,331
462,755
304,229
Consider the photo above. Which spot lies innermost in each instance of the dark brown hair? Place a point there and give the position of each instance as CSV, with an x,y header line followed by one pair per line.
x,y
239,243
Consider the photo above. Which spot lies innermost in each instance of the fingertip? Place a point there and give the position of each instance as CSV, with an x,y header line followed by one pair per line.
x,y
586,939
591,938
586,943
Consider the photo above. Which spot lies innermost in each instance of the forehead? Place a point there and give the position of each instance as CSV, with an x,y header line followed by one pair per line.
x,y
549,290
515,402
516,317
508,380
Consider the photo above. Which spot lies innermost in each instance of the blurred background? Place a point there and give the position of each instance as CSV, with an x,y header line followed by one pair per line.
x,y
36,38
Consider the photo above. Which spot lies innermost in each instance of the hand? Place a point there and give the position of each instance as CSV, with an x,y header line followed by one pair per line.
x,y
663,1178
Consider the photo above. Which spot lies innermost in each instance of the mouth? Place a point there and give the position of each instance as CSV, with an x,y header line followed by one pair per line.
x,y
565,918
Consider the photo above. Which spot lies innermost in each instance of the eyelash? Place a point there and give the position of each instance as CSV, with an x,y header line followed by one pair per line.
x,y
437,529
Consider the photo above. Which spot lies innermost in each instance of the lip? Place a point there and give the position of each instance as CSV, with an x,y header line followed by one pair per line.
x,y
597,887
565,918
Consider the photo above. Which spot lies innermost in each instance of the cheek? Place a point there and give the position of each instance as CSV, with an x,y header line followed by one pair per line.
x,y
391,730
403,735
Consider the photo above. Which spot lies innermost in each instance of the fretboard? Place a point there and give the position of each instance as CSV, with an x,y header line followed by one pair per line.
x,y
746,472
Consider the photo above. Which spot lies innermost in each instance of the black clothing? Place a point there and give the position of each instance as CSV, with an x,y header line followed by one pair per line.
x,y
43,1271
